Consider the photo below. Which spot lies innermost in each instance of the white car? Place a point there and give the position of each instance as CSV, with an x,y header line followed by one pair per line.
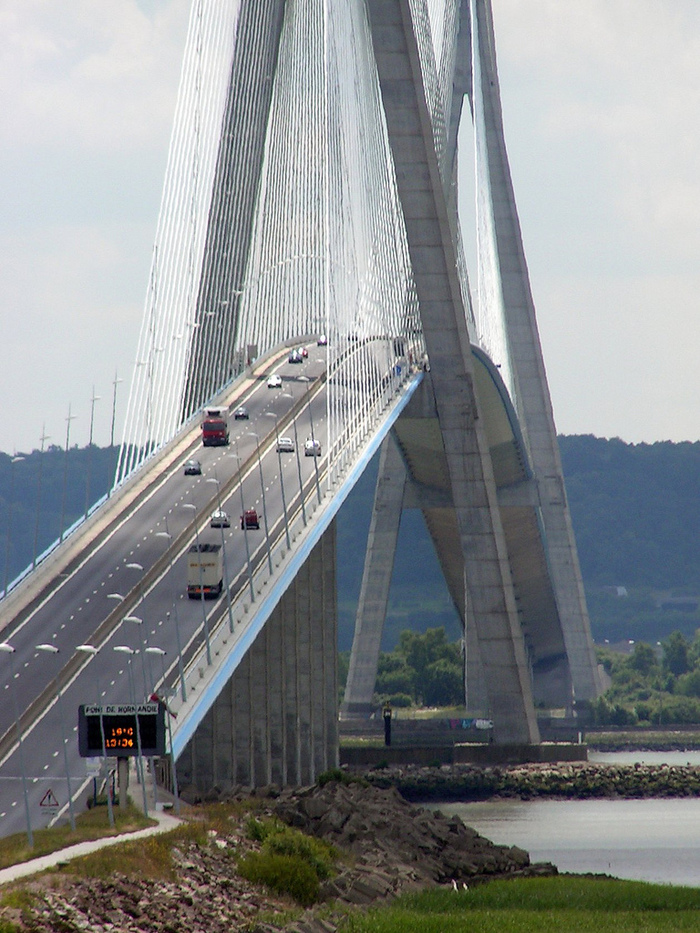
x,y
285,445
220,519
274,382
312,447
322,341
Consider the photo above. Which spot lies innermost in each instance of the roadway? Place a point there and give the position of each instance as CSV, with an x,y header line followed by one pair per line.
x,y
128,589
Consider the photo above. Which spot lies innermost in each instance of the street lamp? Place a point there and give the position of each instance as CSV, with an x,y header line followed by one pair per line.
x,y
95,398
125,649
279,461
245,525
313,438
137,621
44,437
181,669
65,473
215,479
262,487
6,648
189,505
52,649
92,651
173,768
9,521
301,482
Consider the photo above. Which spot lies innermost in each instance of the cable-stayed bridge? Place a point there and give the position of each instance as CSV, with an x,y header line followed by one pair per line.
x,y
311,190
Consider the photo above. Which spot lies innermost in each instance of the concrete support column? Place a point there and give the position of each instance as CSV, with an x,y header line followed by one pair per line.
x,y
376,582
276,719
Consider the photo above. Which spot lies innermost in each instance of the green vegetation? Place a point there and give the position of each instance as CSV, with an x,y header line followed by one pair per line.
x,y
424,669
536,905
93,824
288,862
652,687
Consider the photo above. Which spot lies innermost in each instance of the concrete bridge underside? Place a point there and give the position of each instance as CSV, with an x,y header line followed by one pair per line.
x,y
276,721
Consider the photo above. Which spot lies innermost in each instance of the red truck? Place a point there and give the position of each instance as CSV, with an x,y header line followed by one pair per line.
x,y
215,427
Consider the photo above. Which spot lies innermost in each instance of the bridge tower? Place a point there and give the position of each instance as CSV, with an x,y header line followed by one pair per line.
x,y
534,513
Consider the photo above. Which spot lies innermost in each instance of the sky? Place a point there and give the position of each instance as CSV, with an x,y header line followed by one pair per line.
x,y
601,105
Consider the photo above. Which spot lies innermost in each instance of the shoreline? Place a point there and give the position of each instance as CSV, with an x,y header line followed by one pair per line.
x,y
564,780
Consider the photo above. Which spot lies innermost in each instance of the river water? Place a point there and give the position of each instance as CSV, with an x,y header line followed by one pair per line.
x,y
645,840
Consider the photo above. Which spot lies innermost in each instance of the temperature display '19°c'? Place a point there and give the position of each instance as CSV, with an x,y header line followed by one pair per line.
x,y
121,730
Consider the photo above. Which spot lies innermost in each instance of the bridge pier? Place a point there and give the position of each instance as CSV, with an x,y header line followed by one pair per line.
x,y
276,720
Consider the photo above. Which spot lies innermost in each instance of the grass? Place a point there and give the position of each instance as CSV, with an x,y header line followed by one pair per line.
x,y
539,905
93,824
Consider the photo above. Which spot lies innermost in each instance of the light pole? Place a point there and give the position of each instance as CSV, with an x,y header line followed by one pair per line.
x,y
52,649
44,437
279,461
313,438
262,487
114,414
125,649
215,479
173,767
190,505
244,523
9,521
95,398
138,621
65,473
181,669
92,651
301,482
8,649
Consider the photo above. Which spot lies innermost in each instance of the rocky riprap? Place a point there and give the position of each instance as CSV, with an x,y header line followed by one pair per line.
x,y
576,780
390,847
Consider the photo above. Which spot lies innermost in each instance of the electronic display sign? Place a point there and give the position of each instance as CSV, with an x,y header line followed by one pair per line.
x,y
125,726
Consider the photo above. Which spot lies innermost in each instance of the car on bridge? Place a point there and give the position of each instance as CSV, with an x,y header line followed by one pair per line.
x,y
295,357
241,414
274,382
285,445
193,468
304,352
220,519
322,341
312,447
250,519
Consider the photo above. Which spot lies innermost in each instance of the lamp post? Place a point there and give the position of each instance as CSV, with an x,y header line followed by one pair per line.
x,y
65,473
92,651
215,479
44,437
301,482
262,487
9,521
6,648
173,767
313,438
279,461
181,668
245,525
125,649
52,649
95,398
190,505
138,621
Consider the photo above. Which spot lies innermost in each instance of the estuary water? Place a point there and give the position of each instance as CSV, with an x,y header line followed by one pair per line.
x,y
644,840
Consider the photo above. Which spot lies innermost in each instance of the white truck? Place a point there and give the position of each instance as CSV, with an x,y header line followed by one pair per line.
x,y
205,571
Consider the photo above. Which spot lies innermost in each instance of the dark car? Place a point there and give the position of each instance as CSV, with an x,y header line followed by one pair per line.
x,y
193,468
241,414
295,357
249,519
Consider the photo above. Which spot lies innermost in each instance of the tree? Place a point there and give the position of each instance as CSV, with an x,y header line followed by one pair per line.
x,y
676,654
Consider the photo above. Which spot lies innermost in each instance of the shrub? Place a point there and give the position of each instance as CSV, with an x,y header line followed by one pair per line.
x,y
284,874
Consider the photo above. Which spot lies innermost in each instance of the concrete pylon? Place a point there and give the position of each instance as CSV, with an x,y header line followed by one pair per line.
x,y
442,310
276,720
529,389
376,582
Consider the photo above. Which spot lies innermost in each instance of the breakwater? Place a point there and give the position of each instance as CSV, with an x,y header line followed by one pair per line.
x,y
565,780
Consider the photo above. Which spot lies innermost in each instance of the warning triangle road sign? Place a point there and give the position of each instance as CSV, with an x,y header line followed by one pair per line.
x,y
49,799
